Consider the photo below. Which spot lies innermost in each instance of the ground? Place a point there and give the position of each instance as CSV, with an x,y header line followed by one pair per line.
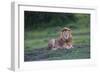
x,y
79,52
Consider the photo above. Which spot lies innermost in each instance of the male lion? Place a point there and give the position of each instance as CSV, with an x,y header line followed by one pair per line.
x,y
63,41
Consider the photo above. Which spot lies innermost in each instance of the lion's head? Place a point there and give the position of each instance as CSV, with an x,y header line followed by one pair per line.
x,y
66,33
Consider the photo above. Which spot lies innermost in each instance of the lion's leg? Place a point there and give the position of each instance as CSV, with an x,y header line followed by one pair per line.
x,y
68,45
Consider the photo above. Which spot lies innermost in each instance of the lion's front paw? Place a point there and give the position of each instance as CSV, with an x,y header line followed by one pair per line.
x,y
54,48
69,47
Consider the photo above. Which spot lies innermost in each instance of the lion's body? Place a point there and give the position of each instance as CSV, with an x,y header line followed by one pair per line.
x,y
63,41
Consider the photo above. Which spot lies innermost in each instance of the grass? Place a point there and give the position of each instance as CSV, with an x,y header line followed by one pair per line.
x,y
36,41
60,54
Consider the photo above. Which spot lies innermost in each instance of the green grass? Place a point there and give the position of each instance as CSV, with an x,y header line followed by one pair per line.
x,y
76,53
60,54
39,39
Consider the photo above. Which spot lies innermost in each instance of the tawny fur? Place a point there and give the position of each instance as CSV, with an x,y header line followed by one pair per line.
x,y
63,41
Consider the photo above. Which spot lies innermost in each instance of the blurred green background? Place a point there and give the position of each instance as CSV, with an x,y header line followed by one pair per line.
x,y
42,26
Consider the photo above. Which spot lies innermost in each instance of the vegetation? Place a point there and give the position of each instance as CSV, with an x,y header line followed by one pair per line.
x,y
42,26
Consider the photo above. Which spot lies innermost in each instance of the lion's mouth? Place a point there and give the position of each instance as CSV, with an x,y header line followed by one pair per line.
x,y
65,35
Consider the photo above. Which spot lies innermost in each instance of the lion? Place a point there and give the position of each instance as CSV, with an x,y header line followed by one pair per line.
x,y
63,41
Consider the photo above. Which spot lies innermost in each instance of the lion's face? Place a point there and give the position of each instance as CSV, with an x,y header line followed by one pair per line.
x,y
66,33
